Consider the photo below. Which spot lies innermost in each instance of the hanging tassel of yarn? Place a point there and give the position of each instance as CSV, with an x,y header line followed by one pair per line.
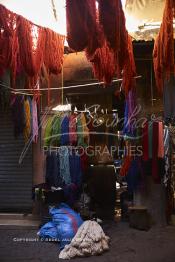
x,y
53,56
108,13
39,40
8,44
122,47
103,64
129,70
14,59
6,19
168,38
112,20
31,44
54,51
82,28
158,64
24,29
113,24
163,53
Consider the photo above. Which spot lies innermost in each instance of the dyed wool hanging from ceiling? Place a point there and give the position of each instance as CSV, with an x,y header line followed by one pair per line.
x,y
25,48
102,33
163,53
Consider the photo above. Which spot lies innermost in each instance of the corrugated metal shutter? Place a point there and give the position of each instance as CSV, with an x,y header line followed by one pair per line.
x,y
15,179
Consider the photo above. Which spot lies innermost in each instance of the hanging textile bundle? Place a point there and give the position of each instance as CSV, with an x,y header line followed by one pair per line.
x,y
22,48
103,63
158,64
27,112
109,16
54,51
129,70
82,29
24,29
31,44
5,20
122,46
53,55
40,39
8,40
116,54
112,20
14,59
163,53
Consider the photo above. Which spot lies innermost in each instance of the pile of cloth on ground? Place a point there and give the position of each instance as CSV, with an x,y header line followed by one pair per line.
x,y
89,240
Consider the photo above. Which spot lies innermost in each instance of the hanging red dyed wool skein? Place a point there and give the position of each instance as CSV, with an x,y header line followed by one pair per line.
x,y
103,64
8,44
40,40
82,29
163,53
129,70
31,45
54,51
112,21
122,51
53,55
24,29
108,19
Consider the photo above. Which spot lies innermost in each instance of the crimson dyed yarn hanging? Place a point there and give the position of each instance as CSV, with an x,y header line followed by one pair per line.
x,y
163,53
54,51
129,70
113,24
82,29
31,44
103,63
53,56
40,40
8,41
24,30
108,16
112,20
123,45
158,64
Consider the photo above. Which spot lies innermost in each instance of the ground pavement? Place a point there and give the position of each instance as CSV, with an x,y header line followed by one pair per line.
x,y
127,245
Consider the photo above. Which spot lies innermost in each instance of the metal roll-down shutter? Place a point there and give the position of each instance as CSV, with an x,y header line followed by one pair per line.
x,y
15,179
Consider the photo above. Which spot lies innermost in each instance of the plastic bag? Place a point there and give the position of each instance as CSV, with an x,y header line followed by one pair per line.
x,y
48,231
67,222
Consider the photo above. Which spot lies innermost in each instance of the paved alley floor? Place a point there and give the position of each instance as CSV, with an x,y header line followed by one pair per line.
x,y
127,245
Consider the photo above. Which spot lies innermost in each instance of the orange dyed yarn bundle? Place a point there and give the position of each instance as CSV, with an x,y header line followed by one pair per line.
x,y
27,46
129,70
54,51
32,43
116,54
103,63
24,29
